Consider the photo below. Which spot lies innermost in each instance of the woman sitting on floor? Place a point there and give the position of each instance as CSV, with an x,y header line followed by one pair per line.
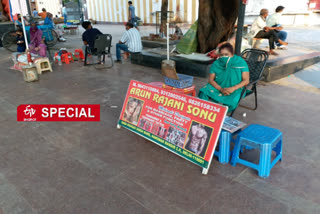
x,y
228,75
37,45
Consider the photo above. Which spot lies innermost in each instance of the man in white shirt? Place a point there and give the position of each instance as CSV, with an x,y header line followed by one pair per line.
x,y
274,21
129,42
260,29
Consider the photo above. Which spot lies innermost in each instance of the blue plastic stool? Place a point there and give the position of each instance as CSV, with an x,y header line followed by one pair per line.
x,y
263,138
224,152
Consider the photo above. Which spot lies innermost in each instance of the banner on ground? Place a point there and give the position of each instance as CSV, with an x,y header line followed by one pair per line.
x,y
185,125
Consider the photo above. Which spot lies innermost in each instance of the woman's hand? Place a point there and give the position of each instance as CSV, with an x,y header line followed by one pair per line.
x,y
227,91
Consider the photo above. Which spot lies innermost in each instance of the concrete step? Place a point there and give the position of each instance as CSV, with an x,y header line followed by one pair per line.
x,y
274,70
282,68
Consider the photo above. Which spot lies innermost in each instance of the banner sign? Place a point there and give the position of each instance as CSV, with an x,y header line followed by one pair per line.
x,y
185,125
33,113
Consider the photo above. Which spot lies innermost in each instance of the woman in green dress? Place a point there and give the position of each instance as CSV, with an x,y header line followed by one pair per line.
x,y
228,75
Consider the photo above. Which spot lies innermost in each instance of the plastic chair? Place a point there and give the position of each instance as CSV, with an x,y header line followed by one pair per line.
x,y
102,47
262,138
79,54
256,60
43,64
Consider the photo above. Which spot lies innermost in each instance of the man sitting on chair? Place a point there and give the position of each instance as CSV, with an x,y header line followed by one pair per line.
x,y
129,42
89,36
259,29
274,21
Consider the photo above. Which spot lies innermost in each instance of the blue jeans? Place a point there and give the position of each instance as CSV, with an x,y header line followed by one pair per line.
x,y
282,36
120,47
134,22
65,16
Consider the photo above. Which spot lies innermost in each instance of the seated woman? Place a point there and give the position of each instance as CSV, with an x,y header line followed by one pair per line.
x,y
37,45
228,75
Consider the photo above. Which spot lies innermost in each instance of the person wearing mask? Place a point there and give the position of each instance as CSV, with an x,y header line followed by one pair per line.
x,y
274,21
18,22
129,42
260,29
228,75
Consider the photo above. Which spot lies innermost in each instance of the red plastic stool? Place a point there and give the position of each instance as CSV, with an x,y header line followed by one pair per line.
x,y
67,58
79,53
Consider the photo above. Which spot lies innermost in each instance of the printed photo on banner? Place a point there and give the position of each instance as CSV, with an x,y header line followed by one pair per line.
x,y
148,126
176,137
162,132
142,123
198,138
133,110
155,129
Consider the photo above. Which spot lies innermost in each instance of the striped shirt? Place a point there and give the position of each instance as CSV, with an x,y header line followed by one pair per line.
x,y
132,39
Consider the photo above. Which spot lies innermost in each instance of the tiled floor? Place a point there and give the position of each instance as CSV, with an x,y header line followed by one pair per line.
x,y
93,168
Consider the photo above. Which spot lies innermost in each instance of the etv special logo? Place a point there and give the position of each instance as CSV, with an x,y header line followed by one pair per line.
x,y
32,113
29,112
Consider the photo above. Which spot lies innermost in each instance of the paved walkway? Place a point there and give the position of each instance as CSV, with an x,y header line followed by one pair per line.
x,y
83,168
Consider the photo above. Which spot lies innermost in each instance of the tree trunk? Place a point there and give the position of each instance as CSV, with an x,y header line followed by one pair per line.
x,y
216,22
164,16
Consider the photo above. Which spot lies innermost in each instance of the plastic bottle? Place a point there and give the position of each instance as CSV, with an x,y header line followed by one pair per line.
x,y
59,60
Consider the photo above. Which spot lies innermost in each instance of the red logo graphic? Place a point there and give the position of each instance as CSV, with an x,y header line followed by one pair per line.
x,y
244,1
32,113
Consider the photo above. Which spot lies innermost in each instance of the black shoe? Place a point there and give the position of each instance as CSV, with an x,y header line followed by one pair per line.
x,y
118,61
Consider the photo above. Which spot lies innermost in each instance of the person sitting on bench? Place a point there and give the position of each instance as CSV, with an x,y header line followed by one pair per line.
x,y
228,75
260,29
274,21
89,36
129,42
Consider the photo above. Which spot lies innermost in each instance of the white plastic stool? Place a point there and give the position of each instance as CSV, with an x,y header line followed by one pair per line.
x,y
43,64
